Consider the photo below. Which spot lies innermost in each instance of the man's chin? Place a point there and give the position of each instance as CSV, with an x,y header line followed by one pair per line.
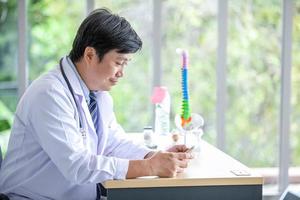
x,y
107,88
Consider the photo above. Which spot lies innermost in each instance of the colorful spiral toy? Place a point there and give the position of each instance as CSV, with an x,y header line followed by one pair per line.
x,y
185,112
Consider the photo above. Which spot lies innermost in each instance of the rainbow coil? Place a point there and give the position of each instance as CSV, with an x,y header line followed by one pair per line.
x,y
185,108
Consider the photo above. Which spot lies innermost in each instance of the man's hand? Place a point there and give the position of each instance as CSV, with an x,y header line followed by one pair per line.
x,y
162,164
178,148
168,164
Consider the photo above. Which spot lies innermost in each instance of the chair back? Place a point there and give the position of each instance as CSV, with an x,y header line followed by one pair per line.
x,y
290,195
2,196
0,157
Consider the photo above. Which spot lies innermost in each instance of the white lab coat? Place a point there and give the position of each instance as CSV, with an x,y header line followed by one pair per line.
x,y
49,158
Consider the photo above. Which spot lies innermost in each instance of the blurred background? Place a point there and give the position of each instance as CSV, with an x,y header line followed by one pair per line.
x,y
244,71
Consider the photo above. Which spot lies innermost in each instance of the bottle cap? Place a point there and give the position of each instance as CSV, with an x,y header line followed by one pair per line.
x,y
158,95
147,127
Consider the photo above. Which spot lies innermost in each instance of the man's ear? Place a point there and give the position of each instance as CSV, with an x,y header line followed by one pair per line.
x,y
89,53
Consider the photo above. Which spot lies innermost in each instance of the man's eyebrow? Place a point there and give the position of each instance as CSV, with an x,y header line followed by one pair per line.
x,y
122,58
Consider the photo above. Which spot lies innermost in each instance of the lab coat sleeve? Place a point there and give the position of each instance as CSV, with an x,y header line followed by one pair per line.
x,y
55,128
119,145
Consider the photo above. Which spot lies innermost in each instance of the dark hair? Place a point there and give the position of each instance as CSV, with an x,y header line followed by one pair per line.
x,y
105,31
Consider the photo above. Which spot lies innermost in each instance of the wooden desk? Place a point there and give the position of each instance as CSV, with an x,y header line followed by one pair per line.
x,y
208,177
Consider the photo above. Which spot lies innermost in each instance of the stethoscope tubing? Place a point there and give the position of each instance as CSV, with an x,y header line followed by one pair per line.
x,y
71,90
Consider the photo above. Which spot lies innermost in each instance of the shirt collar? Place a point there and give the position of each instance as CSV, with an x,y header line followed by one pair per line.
x,y
84,88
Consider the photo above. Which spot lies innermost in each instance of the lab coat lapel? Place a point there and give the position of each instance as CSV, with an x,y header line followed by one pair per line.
x,y
102,113
104,108
78,93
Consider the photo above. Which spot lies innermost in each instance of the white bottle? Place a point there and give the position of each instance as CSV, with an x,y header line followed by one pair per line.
x,y
149,137
162,110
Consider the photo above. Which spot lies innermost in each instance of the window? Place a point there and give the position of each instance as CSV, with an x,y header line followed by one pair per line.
x,y
253,82
53,26
295,98
8,67
194,31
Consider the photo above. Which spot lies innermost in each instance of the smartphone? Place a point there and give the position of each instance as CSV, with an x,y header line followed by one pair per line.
x,y
190,149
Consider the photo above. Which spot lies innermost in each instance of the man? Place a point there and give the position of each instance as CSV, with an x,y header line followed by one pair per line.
x,y
65,138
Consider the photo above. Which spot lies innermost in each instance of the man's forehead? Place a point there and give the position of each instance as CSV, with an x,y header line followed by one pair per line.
x,y
126,57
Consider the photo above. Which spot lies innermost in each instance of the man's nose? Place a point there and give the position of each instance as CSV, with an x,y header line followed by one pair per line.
x,y
120,73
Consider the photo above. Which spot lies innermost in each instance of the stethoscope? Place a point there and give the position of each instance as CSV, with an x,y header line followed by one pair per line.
x,y
82,129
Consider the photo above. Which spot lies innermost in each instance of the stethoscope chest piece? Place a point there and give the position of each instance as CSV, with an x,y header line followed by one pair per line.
x,y
83,132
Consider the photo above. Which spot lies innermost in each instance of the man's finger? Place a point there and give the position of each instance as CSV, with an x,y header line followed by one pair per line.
x,y
182,156
181,148
182,163
179,170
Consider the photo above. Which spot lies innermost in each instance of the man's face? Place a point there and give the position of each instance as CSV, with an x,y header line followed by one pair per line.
x,y
105,73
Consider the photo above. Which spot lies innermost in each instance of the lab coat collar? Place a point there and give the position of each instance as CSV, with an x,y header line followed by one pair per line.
x,y
72,77
84,88
78,93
